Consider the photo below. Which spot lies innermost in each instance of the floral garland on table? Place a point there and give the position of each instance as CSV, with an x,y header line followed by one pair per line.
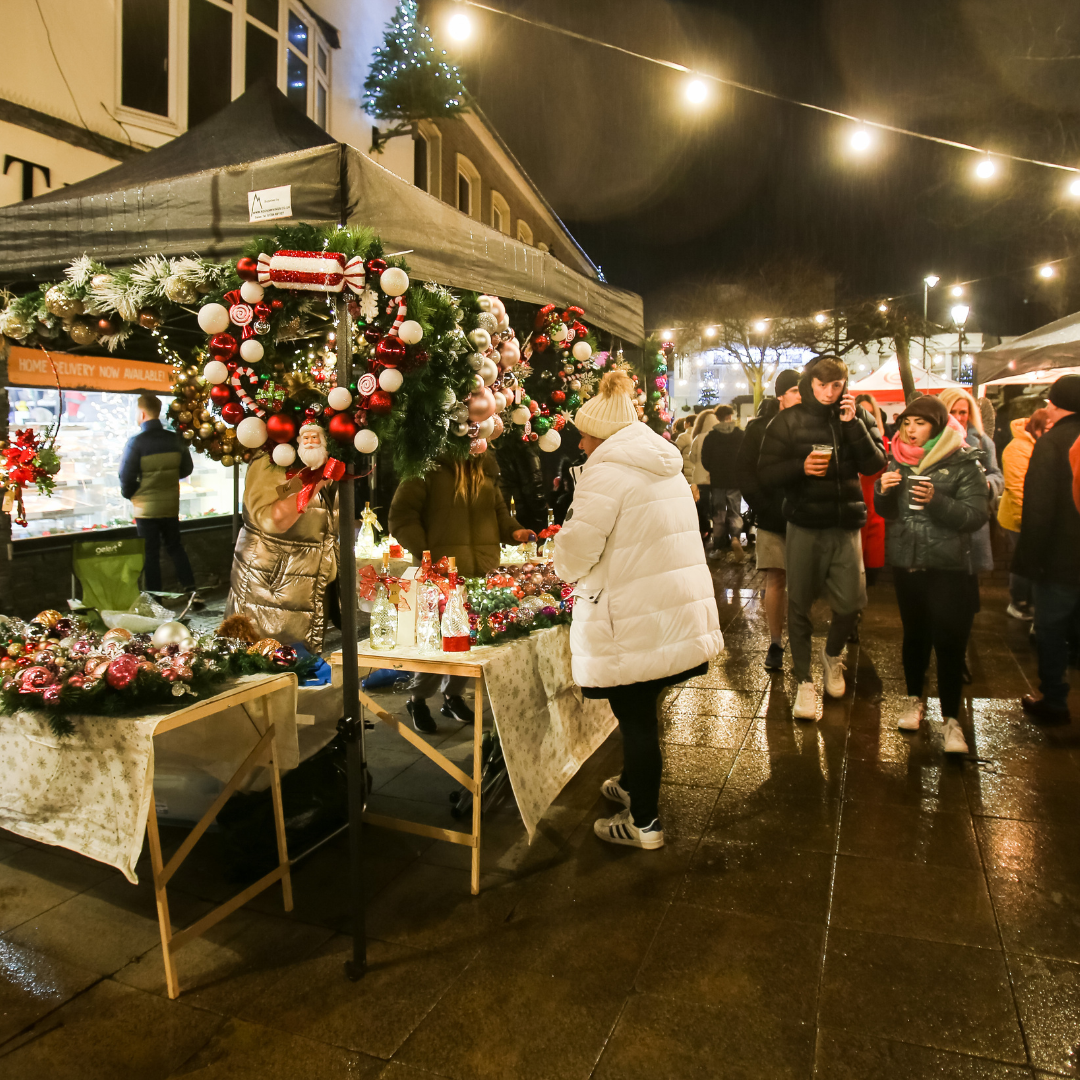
x,y
52,664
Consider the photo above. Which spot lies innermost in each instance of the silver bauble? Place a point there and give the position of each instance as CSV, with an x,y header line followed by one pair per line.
x,y
475,360
487,321
460,411
459,428
180,291
172,633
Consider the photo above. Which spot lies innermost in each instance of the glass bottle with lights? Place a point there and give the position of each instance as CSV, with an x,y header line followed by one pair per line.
x,y
455,620
425,567
428,628
366,547
383,633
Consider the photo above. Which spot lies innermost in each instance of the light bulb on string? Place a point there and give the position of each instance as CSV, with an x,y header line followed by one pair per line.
x,y
1046,272
459,27
821,319
696,91
957,291
1074,189
861,140
986,169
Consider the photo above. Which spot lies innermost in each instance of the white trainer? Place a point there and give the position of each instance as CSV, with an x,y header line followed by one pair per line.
x,y
955,743
833,666
805,702
621,829
613,790
911,717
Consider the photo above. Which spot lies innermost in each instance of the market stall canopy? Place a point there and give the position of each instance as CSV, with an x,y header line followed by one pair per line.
x,y
1055,345
1039,377
190,196
885,384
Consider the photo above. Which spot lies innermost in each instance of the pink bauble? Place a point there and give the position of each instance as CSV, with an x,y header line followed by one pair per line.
x,y
481,405
478,446
499,428
510,353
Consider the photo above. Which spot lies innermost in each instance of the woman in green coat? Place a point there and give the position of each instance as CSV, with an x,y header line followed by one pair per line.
x,y
455,510
933,497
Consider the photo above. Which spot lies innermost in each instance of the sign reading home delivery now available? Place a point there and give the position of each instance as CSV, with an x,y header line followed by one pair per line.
x,y
30,367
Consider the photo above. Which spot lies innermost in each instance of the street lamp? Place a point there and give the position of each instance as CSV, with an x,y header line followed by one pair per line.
x,y
928,283
959,315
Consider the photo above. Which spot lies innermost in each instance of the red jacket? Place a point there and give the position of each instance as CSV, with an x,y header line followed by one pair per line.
x,y
873,532
1074,464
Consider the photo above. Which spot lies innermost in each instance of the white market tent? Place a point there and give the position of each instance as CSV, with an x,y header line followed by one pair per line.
x,y
886,387
1041,377
1055,345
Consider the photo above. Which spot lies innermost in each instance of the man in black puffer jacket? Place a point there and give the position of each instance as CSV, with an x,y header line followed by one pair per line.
x,y
815,452
719,457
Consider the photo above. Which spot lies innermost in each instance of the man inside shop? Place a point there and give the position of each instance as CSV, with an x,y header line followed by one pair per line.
x,y
286,554
151,468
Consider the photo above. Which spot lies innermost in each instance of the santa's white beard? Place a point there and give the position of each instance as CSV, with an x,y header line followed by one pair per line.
x,y
314,457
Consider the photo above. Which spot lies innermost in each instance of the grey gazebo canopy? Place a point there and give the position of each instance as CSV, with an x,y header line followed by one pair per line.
x,y
190,196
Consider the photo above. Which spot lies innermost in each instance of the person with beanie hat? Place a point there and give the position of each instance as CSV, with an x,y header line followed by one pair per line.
x,y
645,613
768,507
933,497
1047,550
719,458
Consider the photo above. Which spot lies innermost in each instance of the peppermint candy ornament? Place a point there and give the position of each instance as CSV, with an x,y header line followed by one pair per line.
x,y
312,271
367,385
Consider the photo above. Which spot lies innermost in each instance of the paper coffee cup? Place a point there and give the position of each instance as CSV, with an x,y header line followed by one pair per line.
x,y
912,482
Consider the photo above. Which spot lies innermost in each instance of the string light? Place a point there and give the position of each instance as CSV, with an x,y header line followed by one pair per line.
x,y
696,92
861,140
957,290
986,168
1047,271
883,308
459,27
761,326
821,318
1074,189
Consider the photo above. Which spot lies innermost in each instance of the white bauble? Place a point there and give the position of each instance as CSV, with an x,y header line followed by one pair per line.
x,y
504,324
500,401
213,319
582,350
284,454
476,382
498,308
251,350
485,428
339,399
251,432
489,371
366,441
560,333
215,372
484,303
172,633
480,339
410,332
551,440
521,415
394,281
475,360
252,292
390,379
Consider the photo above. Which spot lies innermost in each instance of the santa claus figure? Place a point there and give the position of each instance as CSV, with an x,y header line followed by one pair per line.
x,y
286,558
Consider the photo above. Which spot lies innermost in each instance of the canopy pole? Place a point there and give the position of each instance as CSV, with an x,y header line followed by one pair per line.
x,y
351,724
235,500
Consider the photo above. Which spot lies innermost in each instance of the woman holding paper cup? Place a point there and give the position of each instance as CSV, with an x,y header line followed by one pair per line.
x,y
933,497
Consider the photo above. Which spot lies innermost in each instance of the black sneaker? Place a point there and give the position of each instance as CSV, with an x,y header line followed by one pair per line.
x,y
422,719
455,708
774,658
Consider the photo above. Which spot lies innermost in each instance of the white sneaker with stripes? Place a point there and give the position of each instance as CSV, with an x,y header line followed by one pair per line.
x,y
621,829
613,790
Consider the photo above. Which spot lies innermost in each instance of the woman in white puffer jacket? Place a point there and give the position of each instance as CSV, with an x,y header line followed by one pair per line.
x,y
645,612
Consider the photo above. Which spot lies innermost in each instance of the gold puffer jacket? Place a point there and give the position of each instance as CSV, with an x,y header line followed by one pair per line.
x,y
279,580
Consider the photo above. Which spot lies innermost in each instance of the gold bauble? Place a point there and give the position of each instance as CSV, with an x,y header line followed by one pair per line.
x,y
266,647
180,291
57,302
220,427
227,460
185,417
188,434
181,379
175,407
82,333
48,618
149,320
100,281
206,430
206,417
192,370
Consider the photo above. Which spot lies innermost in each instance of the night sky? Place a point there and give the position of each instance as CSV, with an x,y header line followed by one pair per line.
x,y
660,193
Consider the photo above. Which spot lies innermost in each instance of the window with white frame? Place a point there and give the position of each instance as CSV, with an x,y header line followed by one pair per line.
x,y
524,233
468,193
181,61
500,213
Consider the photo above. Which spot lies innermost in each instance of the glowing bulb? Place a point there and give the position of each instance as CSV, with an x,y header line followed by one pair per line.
x,y
985,169
957,290
883,308
960,314
931,280
1074,189
761,326
667,335
1046,271
820,320
459,27
861,140
710,331
696,92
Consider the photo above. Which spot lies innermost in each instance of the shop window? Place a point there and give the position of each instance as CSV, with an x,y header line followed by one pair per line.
x,y
144,56
524,233
500,213
468,187
260,56
464,194
209,59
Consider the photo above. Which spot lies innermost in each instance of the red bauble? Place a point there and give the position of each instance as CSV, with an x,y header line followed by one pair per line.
x,y
248,269
276,305
372,334
390,351
542,316
232,413
534,408
580,329
558,396
541,342
76,681
342,427
559,422
121,671
220,394
380,403
109,324
223,347
281,428
376,266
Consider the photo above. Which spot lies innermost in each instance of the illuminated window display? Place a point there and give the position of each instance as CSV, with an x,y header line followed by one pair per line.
x,y
96,426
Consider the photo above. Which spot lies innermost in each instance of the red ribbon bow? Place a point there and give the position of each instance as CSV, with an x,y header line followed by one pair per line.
x,y
332,470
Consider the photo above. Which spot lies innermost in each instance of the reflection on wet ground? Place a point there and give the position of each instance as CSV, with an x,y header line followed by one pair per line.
x,y
835,900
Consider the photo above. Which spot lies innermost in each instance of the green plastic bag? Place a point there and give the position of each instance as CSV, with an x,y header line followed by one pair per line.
x,y
109,571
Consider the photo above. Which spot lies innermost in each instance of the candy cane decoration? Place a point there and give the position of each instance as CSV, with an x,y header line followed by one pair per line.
x,y
403,310
249,402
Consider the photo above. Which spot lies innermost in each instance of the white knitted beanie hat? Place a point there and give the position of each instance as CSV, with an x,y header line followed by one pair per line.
x,y
610,410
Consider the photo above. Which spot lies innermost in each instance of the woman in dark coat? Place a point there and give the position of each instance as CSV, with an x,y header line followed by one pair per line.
x,y
933,497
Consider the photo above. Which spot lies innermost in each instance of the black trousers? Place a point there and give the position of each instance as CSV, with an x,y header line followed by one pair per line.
x,y
937,608
635,708
156,531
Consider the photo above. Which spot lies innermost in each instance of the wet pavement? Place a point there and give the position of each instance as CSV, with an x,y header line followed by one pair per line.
x,y
835,900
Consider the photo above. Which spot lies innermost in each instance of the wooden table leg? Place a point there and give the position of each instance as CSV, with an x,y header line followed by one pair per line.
x,y
172,983
279,812
478,767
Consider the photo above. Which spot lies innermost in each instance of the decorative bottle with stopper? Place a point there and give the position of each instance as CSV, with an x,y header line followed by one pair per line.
x,y
366,547
455,620
383,633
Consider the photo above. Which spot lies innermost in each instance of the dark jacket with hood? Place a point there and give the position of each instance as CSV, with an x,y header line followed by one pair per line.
x,y
834,500
938,537
767,503
1049,546
720,452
